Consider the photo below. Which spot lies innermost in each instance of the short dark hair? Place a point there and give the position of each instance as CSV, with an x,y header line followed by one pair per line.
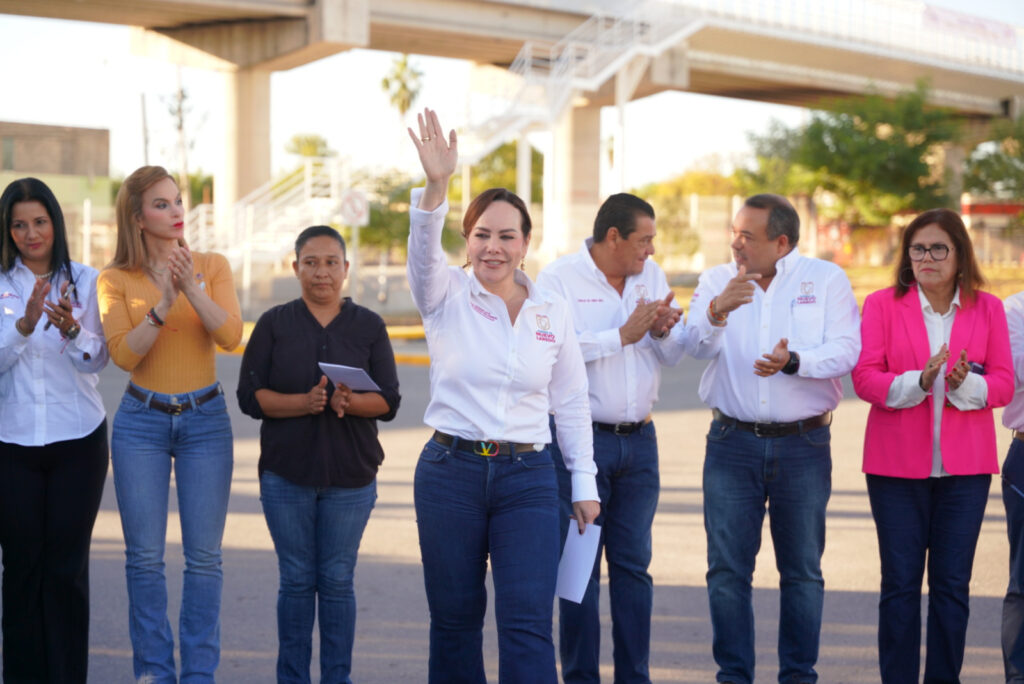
x,y
970,278
485,199
33,190
620,211
782,217
319,231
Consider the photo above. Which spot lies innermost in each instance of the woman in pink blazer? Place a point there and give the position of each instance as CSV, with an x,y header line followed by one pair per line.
x,y
935,359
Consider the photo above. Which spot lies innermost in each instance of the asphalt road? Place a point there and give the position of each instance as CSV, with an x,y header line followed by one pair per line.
x,y
392,629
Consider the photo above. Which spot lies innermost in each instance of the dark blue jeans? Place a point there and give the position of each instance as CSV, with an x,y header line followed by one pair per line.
x,y
628,484
316,532
793,475
1013,604
470,507
937,520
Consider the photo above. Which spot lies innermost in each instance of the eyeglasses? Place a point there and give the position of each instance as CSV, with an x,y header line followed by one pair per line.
x,y
938,252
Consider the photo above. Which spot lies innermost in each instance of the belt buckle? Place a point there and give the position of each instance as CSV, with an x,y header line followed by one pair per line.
x,y
488,449
176,408
758,431
622,429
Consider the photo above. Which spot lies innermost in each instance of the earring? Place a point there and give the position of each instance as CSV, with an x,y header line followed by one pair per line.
x,y
522,264
899,277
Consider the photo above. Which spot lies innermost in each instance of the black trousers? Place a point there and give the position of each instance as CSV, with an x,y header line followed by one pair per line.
x,y
49,497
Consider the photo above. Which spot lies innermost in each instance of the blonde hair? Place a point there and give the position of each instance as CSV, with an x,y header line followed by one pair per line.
x,y
131,249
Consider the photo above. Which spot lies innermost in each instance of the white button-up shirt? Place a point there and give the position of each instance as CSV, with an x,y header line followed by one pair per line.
x,y
905,390
491,378
623,380
810,303
1013,414
47,386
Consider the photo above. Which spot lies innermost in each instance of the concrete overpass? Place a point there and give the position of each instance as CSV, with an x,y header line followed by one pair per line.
x,y
571,57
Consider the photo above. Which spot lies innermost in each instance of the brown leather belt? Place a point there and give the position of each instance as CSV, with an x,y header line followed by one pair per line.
x,y
775,429
481,447
622,428
174,409
1018,435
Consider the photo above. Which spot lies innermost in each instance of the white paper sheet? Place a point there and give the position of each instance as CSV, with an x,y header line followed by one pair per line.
x,y
353,378
577,562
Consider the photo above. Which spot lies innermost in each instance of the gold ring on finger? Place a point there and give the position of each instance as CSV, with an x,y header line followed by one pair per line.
x,y
425,139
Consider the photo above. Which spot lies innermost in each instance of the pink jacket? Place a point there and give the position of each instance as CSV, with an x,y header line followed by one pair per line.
x,y
898,442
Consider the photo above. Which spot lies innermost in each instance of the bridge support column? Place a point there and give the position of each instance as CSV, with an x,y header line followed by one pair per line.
x,y
247,137
575,193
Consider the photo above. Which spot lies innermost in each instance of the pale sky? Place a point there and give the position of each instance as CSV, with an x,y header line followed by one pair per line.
x,y
338,97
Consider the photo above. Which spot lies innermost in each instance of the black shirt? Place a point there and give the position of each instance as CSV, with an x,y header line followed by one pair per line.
x,y
282,355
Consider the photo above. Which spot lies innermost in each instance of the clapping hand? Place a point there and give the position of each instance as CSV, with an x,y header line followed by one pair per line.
x,y
317,397
960,370
60,314
666,317
34,305
932,368
341,399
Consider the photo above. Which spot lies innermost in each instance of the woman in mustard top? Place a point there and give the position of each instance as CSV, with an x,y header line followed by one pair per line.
x,y
164,310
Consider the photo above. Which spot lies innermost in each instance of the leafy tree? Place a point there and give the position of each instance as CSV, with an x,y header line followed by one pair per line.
x,y
402,84
309,145
872,154
996,168
498,170
775,167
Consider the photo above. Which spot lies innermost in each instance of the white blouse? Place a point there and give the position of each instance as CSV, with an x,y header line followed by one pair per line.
x,y
491,378
48,383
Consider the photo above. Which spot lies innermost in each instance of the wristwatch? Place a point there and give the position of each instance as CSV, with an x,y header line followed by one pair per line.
x,y
73,331
793,365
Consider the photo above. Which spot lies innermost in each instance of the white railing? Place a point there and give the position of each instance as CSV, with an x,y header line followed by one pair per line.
x,y
545,76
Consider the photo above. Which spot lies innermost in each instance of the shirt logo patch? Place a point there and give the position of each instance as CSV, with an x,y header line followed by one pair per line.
x,y
641,293
544,336
483,312
9,295
806,293
594,300
543,322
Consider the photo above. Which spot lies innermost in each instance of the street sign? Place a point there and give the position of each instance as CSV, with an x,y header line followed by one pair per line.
x,y
354,208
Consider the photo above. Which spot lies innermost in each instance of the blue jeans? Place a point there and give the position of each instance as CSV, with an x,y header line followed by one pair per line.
x,y
470,507
1013,604
793,474
144,443
628,484
938,518
316,532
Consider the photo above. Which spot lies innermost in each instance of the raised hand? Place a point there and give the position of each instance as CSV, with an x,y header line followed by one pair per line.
x,y
316,398
738,291
770,364
932,368
960,370
438,156
666,316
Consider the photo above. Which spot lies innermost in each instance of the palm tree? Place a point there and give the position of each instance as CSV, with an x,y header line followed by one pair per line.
x,y
402,84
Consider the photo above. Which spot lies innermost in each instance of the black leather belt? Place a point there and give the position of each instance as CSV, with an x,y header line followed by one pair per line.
x,y
174,409
482,447
622,428
775,429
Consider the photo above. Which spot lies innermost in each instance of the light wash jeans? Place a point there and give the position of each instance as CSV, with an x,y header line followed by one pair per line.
x,y
144,444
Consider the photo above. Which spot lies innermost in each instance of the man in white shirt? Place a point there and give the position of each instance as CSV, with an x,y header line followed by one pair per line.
x,y
622,312
780,330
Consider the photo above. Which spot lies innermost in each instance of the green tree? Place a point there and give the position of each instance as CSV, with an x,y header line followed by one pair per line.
x,y
775,168
402,84
873,155
996,168
498,170
309,145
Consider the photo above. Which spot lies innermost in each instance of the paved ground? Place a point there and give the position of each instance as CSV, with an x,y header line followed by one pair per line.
x,y
391,639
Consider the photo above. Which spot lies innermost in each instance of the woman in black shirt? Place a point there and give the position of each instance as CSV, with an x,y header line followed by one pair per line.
x,y
319,451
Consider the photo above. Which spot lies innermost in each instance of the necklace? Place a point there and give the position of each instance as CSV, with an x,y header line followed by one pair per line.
x,y
44,276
